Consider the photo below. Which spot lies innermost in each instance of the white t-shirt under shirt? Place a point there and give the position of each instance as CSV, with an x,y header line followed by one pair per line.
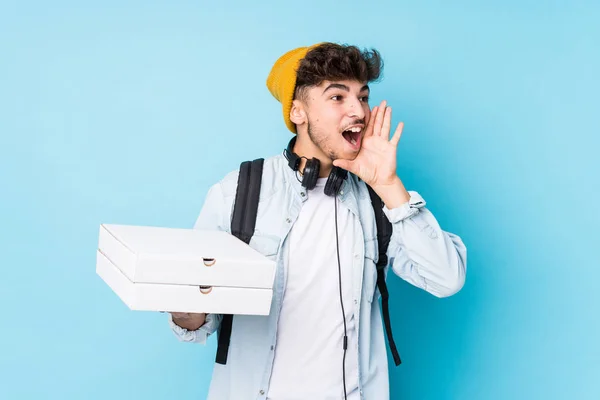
x,y
309,349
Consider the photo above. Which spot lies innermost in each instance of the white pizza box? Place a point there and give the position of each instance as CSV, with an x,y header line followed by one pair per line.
x,y
147,254
183,298
184,270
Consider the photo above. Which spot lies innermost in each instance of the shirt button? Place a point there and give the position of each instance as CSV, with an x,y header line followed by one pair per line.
x,y
272,347
341,192
302,194
262,392
289,221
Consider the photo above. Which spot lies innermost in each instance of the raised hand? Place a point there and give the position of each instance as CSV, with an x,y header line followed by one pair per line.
x,y
375,164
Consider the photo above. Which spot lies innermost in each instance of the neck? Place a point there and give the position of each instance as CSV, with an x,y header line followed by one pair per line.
x,y
305,147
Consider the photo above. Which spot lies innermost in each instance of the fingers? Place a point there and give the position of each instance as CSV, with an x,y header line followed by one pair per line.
x,y
344,164
396,138
385,125
184,315
380,123
369,128
340,163
379,119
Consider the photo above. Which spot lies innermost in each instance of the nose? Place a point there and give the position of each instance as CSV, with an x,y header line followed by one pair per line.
x,y
356,109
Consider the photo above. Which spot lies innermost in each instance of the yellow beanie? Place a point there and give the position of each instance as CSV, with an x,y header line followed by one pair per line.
x,y
281,81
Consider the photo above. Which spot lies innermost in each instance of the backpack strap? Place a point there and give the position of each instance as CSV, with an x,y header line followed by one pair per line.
x,y
243,222
384,234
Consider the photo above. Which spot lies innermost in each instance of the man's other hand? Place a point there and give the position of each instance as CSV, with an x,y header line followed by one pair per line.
x,y
189,321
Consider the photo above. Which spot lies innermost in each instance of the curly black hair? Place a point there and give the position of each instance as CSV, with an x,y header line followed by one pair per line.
x,y
335,62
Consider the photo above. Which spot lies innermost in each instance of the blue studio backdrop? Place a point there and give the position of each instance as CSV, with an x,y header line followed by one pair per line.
x,y
126,112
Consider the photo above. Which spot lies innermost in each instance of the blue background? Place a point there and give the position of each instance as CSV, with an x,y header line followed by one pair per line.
x,y
127,113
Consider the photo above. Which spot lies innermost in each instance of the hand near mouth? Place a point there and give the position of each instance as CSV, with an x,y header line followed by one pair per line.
x,y
375,164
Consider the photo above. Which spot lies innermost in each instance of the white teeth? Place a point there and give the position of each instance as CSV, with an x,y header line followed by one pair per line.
x,y
355,129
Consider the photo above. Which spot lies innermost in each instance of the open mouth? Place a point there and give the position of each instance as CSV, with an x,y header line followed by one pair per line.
x,y
352,135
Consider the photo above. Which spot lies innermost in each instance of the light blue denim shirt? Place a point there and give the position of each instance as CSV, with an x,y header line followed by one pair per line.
x,y
419,252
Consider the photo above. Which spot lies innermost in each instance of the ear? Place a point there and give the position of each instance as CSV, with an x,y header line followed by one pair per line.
x,y
298,113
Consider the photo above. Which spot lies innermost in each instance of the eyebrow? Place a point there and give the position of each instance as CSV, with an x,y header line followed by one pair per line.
x,y
344,87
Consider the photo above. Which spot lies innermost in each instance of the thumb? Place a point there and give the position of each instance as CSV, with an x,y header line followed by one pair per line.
x,y
343,164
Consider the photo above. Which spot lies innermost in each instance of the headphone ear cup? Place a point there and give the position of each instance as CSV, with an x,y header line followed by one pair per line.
x,y
335,181
311,173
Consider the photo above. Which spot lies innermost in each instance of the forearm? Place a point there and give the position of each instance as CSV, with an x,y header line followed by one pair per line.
x,y
393,194
422,253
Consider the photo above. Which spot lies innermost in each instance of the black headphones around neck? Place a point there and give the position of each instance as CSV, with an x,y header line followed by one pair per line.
x,y
311,171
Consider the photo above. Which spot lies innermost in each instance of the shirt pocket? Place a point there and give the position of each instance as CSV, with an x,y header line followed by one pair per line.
x,y
370,270
267,245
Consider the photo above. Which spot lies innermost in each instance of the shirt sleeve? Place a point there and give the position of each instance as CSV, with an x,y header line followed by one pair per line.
x,y
421,253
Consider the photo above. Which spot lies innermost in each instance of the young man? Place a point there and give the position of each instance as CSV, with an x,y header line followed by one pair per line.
x,y
325,245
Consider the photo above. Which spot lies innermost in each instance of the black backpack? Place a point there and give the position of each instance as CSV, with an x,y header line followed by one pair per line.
x,y
243,222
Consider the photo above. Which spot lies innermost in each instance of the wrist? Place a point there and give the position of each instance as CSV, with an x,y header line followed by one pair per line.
x,y
393,194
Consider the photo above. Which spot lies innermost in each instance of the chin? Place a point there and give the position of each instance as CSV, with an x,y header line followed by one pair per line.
x,y
352,153
351,156
347,155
